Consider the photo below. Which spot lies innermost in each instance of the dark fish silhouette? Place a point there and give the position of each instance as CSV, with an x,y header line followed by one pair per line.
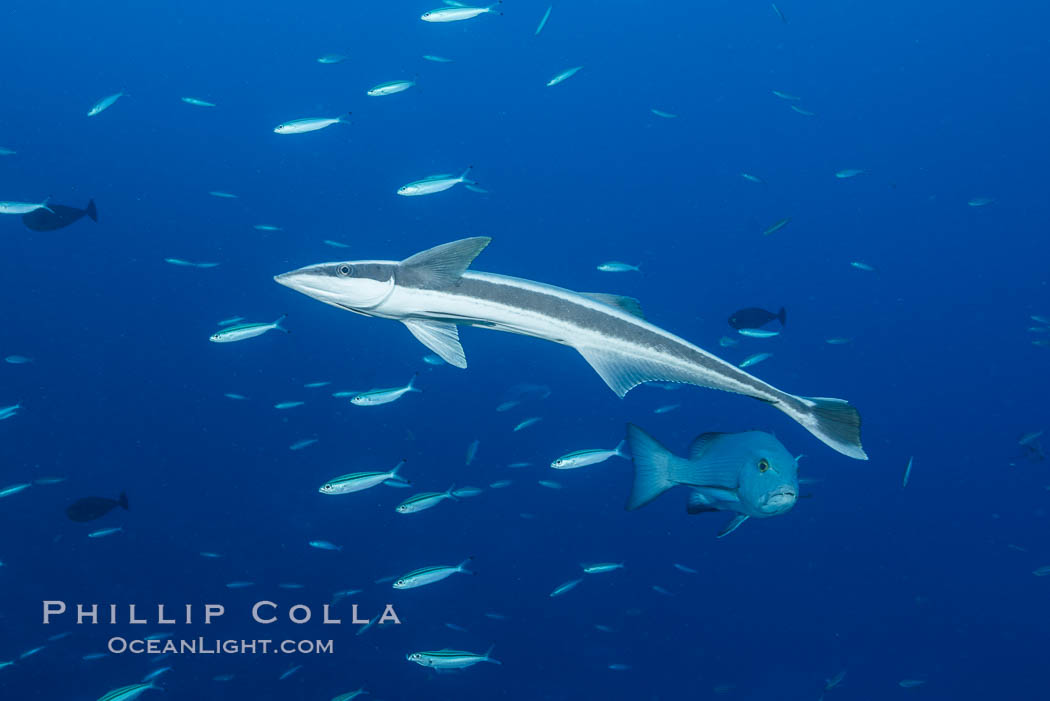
x,y
60,216
91,508
755,318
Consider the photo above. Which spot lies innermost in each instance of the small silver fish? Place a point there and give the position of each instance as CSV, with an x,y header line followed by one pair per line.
x,y
325,545
563,76
430,575
755,359
106,532
376,397
243,332
566,587
862,266
104,104
196,102
390,88
303,126
614,266
528,422
758,333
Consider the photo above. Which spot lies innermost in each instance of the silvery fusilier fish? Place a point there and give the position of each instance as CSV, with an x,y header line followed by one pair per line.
x,y
751,474
432,292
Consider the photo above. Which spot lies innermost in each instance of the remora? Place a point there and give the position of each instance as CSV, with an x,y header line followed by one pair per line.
x,y
432,292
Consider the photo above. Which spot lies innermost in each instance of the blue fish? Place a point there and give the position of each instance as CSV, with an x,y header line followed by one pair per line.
x,y
749,473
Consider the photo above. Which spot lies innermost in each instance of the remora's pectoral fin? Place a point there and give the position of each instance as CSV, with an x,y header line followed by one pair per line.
x,y
442,265
623,371
627,304
441,337
732,525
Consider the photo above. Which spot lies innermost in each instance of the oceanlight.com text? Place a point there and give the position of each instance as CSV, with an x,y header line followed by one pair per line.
x,y
214,646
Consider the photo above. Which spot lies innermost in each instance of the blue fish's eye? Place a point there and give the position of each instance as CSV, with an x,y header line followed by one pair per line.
x,y
763,465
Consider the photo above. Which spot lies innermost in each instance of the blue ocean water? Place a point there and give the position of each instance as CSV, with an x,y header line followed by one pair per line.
x,y
938,103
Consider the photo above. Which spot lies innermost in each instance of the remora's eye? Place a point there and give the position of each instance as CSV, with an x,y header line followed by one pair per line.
x,y
345,270
763,465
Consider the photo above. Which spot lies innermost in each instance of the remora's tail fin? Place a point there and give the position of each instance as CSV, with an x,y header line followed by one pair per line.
x,y
834,421
91,211
652,467
782,316
123,501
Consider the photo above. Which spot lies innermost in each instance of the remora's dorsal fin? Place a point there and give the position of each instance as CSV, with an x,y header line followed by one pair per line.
x,y
701,442
441,337
628,304
442,265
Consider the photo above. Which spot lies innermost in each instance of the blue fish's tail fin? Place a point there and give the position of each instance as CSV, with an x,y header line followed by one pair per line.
x,y
91,211
834,421
782,316
652,467
123,501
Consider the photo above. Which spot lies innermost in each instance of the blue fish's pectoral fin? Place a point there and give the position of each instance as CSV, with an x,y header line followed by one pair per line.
x,y
701,443
628,304
732,525
699,504
442,337
623,371
442,265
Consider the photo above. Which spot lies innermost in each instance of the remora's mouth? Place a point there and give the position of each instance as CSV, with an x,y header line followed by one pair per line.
x,y
298,280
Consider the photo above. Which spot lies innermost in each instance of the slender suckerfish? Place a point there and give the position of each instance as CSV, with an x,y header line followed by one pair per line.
x,y
432,292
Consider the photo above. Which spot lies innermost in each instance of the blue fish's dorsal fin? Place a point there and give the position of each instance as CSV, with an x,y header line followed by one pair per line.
x,y
445,264
628,304
701,442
